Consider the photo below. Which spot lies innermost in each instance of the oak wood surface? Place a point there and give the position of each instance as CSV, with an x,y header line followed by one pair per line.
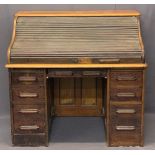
x,y
80,13
78,96
35,87
119,40
144,65
126,126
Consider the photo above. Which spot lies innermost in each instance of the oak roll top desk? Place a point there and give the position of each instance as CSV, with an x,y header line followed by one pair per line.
x,y
77,63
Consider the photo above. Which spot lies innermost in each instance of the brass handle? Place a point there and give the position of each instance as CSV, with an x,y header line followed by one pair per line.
x,y
89,73
121,128
29,111
126,78
126,94
26,95
108,60
29,127
27,79
125,111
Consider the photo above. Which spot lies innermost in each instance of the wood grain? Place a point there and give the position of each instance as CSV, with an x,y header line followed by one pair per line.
x,y
76,36
144,65
12,40
80,13
89,91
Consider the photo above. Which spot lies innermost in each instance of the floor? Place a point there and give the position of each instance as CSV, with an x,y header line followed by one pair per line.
x,y
78,133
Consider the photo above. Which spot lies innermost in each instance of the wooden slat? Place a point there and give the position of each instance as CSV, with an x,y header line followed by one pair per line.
x,y
100,36
66,87
89,88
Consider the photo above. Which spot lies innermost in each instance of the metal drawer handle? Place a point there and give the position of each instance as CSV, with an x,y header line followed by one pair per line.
x,y
29,127
126,78
89,73
29,111
26,95
27,79
108,60
126,94
121,128
125,111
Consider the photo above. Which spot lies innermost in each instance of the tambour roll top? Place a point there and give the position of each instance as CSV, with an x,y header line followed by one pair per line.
x,y
94,38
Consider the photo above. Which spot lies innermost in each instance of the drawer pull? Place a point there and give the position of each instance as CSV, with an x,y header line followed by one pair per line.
x,y
27,95
89,73
125,111
126,78
29,127
108,60
126,94
27,79
29,111
127,128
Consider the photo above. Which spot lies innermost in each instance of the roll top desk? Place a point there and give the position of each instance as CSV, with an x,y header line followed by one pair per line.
x,y
77,63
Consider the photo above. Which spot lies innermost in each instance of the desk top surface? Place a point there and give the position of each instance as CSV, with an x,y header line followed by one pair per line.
x,y
76,65
80,13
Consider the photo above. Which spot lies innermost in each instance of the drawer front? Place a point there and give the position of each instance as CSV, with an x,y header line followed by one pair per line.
x,y
27,112
126,78
126,115
76,73
28,95
126,94
38,139
124,137
27,78
25,127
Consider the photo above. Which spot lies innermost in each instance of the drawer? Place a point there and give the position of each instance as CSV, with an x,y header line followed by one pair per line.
x,y
27,77
29,94
126,94
26,127
37,139
123,137
60,73
126,115
27,112
76,73
126,78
